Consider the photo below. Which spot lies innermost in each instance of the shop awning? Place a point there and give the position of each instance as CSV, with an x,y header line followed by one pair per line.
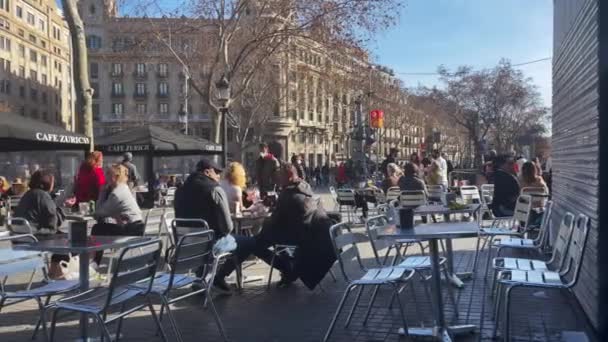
x,y
20,133
161,142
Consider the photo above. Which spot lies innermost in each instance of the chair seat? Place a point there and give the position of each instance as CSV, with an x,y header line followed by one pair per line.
x,y
519,264
419,262
500,231
48,289
379,276
93,301
161,283
546,278
515,242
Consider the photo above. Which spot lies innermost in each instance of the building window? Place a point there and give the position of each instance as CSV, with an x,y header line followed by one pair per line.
x,y
117,89
19,12
34,94
140,89
5,24
43,79
94,70
33,75
92,9
117,109
163,69
5,44
95,87
33,56
94,42
22,50
31,19
96,111
141,108
4,5
140,69
163,110
116,69
163,89
42,25
22,71
43,60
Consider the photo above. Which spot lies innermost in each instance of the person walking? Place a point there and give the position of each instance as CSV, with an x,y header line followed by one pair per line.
x,y
128,163
443,168
267,167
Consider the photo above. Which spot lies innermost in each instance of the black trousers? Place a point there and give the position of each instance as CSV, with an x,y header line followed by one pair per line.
x,y
109,229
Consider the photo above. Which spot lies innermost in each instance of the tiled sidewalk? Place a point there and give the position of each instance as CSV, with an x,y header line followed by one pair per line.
x,y
297,314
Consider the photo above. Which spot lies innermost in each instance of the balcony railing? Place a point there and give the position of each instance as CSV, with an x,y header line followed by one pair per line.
x,y
162,74
117,95
162,95
140,75
115,73
140,95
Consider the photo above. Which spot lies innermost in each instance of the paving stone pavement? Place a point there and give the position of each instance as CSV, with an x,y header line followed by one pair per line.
x,y
298,314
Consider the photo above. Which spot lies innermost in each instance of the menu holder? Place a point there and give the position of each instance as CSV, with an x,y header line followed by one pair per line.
x,y
406,218
77,233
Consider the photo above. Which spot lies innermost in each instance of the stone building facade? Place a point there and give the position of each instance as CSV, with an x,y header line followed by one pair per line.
x,y
35,62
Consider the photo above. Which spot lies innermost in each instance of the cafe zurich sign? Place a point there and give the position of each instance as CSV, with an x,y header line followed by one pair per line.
x,y
62,138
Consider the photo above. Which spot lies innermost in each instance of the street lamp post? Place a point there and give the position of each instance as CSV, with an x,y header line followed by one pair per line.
x,y
223,93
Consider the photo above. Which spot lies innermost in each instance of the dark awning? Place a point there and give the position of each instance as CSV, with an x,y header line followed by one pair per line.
x,y
19,133
160,141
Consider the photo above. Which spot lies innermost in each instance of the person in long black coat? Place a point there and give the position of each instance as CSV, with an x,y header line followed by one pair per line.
x,y
300,220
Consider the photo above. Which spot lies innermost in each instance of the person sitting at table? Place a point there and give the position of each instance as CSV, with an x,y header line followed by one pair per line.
x,y
300,220
201,197
394,173
434,176
506,187
5,187
233,184
117,211
90,178
411,180
18,188
39,209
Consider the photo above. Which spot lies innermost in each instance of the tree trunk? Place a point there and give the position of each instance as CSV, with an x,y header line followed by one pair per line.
x,y
84,92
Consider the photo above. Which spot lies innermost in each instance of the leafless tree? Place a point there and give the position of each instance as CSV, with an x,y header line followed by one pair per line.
x,y
241,36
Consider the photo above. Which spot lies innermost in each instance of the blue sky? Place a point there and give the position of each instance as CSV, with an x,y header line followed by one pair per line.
x,y
469,32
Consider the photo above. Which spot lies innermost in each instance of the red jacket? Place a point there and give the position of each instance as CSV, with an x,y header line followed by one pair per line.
x,y
88,183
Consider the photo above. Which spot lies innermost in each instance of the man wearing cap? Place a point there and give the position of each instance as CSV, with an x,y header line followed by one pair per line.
x,y
128,163
201,197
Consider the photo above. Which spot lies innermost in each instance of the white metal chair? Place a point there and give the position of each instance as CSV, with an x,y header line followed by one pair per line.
x,y
470,194
25,262
539,195
334,196
169,198
565,277
19,225
515,225
345,244
393,194
128,271
487,196
435,193
193,251
153,221
347,203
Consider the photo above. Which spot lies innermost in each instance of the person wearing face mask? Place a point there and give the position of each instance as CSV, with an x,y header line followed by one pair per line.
x,y
267,167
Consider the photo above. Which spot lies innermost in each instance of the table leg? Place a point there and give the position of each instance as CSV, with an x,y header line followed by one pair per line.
x,y
454,279
436,283
84,286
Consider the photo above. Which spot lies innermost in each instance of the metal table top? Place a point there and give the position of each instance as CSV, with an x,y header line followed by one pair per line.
x,y
440,209
61,245
446,230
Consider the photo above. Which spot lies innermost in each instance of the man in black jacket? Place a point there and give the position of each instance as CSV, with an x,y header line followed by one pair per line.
x,y
299,220
266,168
506,187
201,197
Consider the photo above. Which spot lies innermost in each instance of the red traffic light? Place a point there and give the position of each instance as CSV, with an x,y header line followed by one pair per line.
x,y
376,118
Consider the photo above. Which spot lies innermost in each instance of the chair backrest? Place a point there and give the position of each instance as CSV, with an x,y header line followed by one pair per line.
x,y
560,247
333,193
435,192
379,195
412,198
545,224
346,196
15,262
470,194
487,194
539,195
521,215
131,268
576,248
345,246
182,226
19,225
393,193
372,225
192,251
153,221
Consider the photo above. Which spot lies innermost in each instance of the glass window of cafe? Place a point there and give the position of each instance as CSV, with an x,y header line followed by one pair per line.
x,y
21,165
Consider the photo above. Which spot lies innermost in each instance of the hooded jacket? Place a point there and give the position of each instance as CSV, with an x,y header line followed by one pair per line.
x,y
300,219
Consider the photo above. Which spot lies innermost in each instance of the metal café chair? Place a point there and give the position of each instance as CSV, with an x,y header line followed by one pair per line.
x,y
559,250
470,194
420,264
19,225
25,262
393,194
345,244
347,203
193,251
565,278
487,195
13,202
515,225
153,221
334,196
435,193
128,270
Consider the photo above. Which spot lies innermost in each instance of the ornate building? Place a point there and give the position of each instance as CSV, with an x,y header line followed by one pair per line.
x,y
35,62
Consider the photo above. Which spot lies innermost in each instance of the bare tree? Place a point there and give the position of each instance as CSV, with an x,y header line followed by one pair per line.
x,y
241,36
84,92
